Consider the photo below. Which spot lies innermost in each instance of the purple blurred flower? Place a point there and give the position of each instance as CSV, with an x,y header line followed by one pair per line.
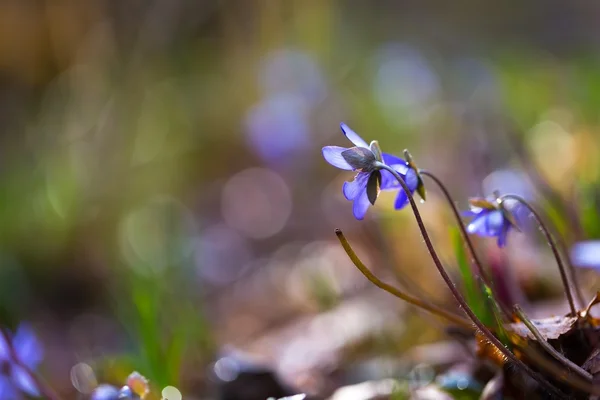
x,y
490,219
110,392
19,357
371,179
586,254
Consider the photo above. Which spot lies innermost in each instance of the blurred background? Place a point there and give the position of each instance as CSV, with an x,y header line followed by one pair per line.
x,y
165,207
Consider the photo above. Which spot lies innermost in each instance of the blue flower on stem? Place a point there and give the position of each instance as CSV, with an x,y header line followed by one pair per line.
x,y
371,179
19,357
490,219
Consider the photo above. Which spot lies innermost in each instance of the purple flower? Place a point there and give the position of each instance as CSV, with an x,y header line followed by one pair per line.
x,y
371,179
490,219
19,356
586,254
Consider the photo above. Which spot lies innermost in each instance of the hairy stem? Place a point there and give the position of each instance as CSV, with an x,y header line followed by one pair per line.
x,y
396,292
552,245
459,297
485,277
551,350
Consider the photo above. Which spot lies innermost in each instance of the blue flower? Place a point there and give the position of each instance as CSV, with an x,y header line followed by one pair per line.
x,y
586,254
490,219
19,357
371,179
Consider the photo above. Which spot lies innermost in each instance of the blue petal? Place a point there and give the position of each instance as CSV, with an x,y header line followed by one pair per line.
x,y
352,189
360,206
503,234
488,223
333,155
395,162
401,200
28,348
388,181
479,224
5,352
105,392
412,180
495,222
7,389
24,380
353,136
586,254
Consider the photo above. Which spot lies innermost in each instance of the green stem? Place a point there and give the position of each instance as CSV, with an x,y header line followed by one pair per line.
x,y
459,297
552,245
467,239
396,292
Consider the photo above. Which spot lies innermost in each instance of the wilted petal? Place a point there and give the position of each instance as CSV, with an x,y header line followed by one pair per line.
x,y
586,254
28,348
352,189
24,381
360,206
333,155
374,186
353,136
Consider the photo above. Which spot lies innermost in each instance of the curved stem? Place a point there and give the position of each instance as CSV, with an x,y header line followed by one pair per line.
x,y
552,245
458,296
467,239
396,292
551,350
45,391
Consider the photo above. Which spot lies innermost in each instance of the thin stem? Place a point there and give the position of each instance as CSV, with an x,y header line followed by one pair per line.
x,y
466,238
571,271
551,350
45,390
458,296
552,245
558,371
396,292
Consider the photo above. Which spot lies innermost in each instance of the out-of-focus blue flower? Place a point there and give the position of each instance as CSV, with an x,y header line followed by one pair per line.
x,y
490,219
110,392
586,254
370,179
19,357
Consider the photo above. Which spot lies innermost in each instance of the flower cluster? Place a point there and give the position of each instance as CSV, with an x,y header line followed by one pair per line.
x,y
375,173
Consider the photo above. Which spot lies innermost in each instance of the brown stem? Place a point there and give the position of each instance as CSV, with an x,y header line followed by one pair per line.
x,y
459,297
396,292
572,272
552,245
467,239
551,350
